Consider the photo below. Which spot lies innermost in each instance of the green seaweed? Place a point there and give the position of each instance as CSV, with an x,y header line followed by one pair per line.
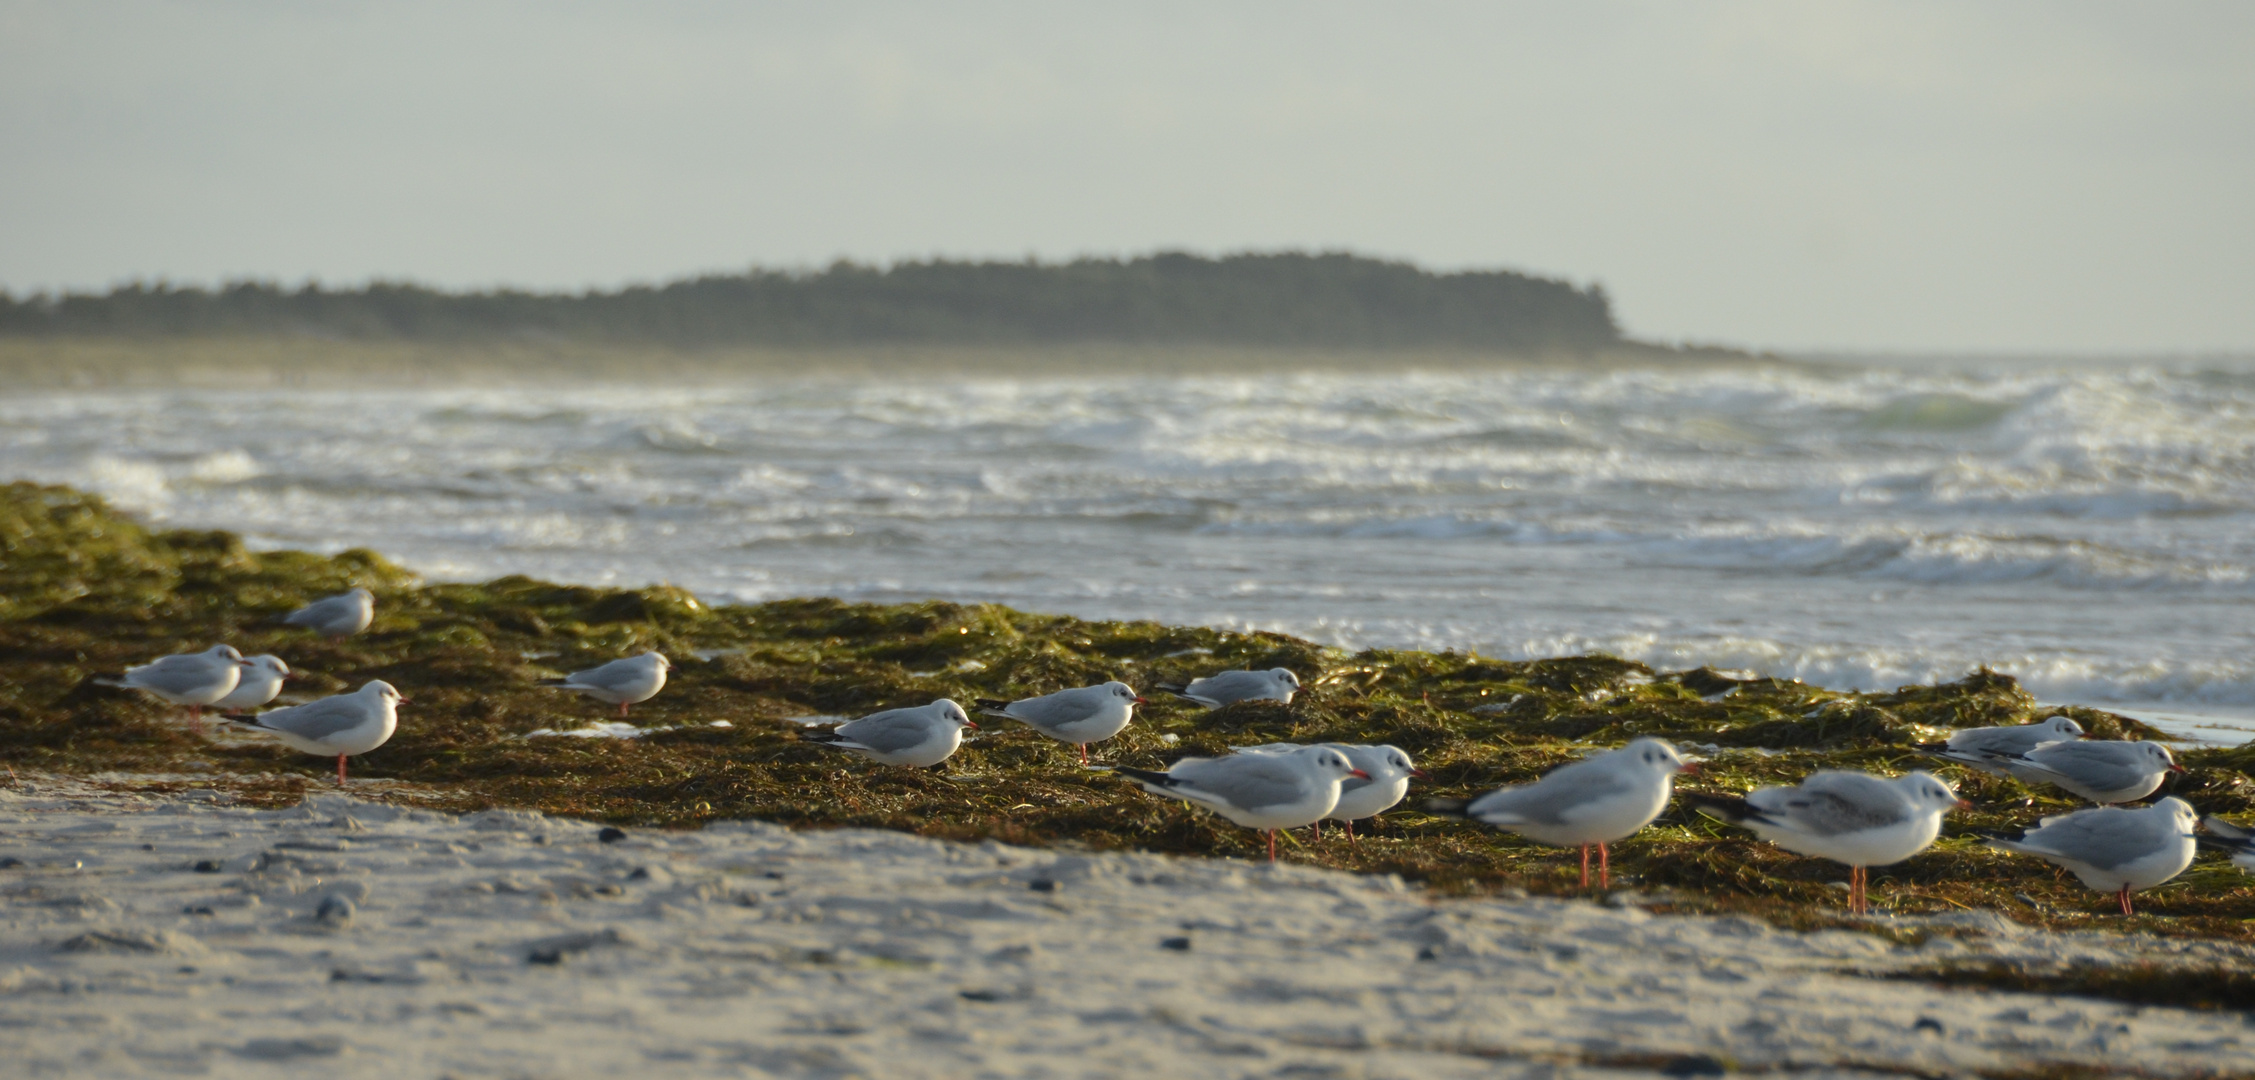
x,y
85,591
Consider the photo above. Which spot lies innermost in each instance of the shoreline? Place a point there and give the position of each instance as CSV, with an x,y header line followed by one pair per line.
x,y
154,934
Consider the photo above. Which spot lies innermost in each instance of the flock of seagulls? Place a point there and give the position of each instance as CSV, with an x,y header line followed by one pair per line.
x,y
1857,819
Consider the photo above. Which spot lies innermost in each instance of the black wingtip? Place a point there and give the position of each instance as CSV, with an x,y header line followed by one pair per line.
x,y
990,703
1172,688
1730,808
1448,808
1144,775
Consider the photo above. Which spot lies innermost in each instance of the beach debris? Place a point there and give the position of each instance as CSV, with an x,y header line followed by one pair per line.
x,y
1848,817
1592,802
625,682
2112,849
610,834
1078,717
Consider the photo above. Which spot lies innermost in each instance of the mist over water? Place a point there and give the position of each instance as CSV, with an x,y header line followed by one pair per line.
x,y
2090,529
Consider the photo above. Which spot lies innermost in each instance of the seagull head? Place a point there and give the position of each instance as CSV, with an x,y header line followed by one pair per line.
x,y
2186,816
948,709
1930,792
224,652
1124,691
270,663
658,658
1332,763
2063,726
1398,763
378,688
1658,755
1284,675
2161,756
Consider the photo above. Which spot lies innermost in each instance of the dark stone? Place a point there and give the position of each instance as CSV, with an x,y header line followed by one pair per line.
x,y
10,863
1693,1065
335,910
1042,885
1928,1023
1427,953
207,866
1178,944
611,834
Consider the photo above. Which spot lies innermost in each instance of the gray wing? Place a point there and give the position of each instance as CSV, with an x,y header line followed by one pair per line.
x,y
1547,801
175,674
1054,710
1231,686
1247,781
319,612
611,676
1832,803
889,732
2102,765
2101,838
2000,740
317,719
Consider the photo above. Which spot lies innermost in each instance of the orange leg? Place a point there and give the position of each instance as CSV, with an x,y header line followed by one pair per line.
x,y
2124,896
622,710
340,770
1604,868
1084,753
1585,866
1272,846
1351,841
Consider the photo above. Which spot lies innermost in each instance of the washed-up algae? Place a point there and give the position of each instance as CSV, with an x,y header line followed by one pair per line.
x,y
84,591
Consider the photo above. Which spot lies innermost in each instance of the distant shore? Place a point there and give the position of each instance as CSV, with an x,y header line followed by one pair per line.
x,y
78,362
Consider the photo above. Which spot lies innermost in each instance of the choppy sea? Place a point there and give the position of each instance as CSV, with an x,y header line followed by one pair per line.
x,y
2087,527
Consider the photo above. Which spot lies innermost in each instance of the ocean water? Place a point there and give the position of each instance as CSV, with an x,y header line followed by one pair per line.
x,y
2089,528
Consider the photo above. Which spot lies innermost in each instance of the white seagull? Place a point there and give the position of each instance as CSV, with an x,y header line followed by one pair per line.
x,y
2114,849
2239,841
344,725
1230,687
1080,716
1389,770
1595,801
1981,747
2103,772
630,681
1259,791
261,682
339,616
1848,817
919,738
191,679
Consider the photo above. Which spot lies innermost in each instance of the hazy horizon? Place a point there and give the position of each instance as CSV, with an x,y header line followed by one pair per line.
x,y
1889,178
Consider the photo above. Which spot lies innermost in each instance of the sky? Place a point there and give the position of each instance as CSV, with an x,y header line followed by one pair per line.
x,y
1905,176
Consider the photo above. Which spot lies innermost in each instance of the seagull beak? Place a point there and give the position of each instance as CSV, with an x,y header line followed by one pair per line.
x,y
970,725
1358,773
1140,701
1418,773
404,699
1965,804
2176,768
1690,768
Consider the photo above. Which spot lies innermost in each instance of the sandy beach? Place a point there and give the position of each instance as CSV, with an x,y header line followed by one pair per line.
x,y
154,934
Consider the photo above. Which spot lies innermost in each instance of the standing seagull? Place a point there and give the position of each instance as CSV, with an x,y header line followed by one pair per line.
x,y
1259,791
2240,842
1847,817
631,681
339,616
1389,772
2103,772
1595,801
191,679
919,738
344,725
1080,717
260,682
1981,747
1231,687
2113,849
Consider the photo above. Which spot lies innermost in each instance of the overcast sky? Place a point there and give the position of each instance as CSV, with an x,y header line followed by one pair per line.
x,y
1898,176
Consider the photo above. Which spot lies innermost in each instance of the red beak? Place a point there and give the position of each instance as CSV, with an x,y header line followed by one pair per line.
x,y
1690,768
404,699
1964,804
1418,773
970,725
1359,772
2176,768
1140,701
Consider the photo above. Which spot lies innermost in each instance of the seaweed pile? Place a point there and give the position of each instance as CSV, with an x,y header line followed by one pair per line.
x,y
84,591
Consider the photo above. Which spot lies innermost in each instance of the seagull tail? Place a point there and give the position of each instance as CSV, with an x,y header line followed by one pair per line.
x,y
991,706
2228,836
1156,781
557,684
1448,808
1172,688
829,738
1725,808
120,684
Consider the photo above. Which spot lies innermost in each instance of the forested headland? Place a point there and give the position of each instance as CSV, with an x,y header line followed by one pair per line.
x,y
1285,300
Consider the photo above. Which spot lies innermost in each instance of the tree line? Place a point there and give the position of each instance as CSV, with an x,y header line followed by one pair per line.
x,y
1284,299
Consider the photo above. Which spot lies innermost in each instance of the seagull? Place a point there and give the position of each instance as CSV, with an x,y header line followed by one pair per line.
x,y
259,683
191,679
344,724
1230,687
1080,716
1389,768
919,738
339,616
1259,791
2103,772
1595,801
2114,849
1849,817
630,681
2239,841
1980,747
